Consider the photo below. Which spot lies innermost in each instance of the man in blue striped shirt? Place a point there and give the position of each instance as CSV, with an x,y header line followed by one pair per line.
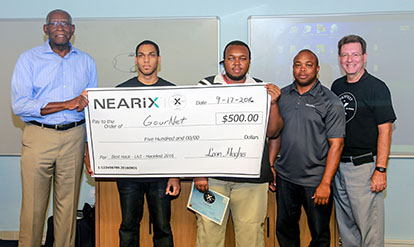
x,y
48,93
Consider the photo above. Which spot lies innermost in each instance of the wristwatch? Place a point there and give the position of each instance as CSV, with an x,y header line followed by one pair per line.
x,y
381,169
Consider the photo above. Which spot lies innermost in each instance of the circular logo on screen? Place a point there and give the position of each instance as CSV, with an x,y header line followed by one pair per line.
x,y
177,101
350,104
209,197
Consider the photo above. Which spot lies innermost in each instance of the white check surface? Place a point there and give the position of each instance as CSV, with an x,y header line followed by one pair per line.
x,y
177,131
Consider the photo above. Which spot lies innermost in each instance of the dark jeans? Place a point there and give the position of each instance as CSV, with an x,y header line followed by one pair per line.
x,y
290,197
131,195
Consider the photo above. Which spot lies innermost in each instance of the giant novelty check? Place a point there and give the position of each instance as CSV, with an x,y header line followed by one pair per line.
x,y
177,131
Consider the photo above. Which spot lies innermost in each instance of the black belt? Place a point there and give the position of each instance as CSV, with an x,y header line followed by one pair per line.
x,y
346,159
359,159
58,126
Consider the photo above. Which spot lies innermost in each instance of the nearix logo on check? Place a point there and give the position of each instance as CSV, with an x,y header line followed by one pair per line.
x,y
127,103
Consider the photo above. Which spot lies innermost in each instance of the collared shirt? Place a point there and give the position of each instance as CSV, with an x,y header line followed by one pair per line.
x,y
219,80
309,120
41,76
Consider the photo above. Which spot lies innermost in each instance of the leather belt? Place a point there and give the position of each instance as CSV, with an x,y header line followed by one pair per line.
x,y
346,159
359,159
58,126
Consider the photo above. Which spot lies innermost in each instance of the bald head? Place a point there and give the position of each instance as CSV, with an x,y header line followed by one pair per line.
x,y
310,53
58,11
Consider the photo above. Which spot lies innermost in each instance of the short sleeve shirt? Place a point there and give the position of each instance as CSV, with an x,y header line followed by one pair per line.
x,y
134,82
310,120
367,104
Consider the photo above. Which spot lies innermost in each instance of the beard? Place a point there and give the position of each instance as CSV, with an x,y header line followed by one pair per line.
x,y
147,73
235,78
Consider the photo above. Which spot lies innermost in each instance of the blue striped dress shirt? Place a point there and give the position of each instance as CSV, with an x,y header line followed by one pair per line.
x,y
41,76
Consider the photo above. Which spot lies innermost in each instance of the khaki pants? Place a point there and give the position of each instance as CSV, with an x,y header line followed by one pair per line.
x,y
49,155
248,207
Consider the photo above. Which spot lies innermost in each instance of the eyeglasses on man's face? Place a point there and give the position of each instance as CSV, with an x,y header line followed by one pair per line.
x,y
352,55
59,23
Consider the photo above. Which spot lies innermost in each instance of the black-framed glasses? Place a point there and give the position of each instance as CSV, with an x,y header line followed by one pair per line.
x,y
61,23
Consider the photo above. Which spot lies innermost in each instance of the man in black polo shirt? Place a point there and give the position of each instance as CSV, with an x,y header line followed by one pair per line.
x,y
361,176
310,146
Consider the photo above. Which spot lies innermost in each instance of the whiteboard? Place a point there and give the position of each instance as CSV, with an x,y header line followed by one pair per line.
x,y
189,52
275,40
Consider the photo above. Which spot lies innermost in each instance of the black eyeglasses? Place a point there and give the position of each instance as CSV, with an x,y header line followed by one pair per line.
x,y
61,23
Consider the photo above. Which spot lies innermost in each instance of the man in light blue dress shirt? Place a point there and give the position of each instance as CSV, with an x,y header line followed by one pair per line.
x,y
48,93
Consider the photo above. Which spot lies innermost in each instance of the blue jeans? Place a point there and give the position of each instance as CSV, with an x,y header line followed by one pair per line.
x,y
131,195
290,198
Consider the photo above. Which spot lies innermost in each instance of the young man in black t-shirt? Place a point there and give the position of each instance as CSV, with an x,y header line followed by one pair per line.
x,y
157,190
361,176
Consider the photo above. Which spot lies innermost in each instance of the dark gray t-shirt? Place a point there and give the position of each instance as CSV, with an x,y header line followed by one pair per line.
x,y
309,121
